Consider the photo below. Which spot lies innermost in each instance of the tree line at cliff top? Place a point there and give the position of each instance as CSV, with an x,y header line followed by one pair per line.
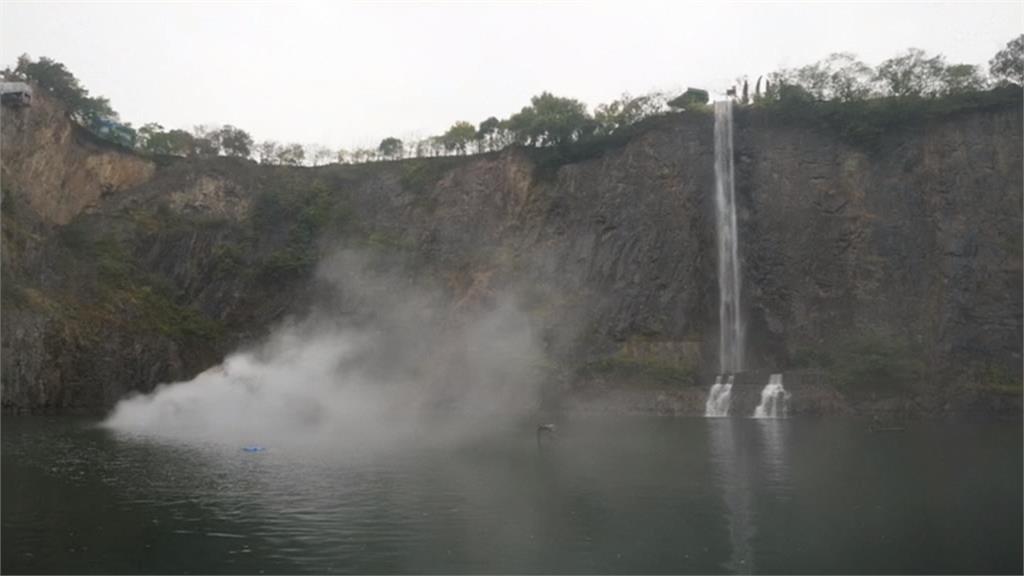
x,y
548,120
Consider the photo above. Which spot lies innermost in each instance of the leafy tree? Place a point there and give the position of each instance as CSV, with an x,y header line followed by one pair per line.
x,y
436,145
493,134
205,141
847,77
428,147
150,138
524,127
360,155
155,140
912,73
627,110
502,136
840,76
343,156
391,148
180,143
458,137
322,155
551,120
1008,64
781,90
317,154
810,79
57,81
488,132
960,78
291,155
268,151
235,142
90,109
51,76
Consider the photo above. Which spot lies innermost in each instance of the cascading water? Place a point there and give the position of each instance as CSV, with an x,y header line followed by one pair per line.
x,y
717,405
774,399
729,318
730,322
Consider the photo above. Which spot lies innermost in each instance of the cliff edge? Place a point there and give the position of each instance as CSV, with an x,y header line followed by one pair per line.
x,y
882,278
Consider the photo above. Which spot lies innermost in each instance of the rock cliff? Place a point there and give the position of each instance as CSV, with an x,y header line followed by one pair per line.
x,y
882,276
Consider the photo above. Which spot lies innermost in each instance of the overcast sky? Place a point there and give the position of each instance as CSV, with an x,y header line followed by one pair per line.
x,y
349,74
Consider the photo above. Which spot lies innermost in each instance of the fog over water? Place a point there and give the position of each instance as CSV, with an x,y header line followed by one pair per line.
x,y
378,360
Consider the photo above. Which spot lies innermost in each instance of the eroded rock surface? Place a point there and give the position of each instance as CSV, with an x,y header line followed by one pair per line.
x,y
892,272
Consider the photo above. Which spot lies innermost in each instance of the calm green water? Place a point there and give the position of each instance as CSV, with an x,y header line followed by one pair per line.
x,y
611,495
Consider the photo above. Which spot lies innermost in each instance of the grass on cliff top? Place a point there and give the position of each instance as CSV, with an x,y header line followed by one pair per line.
x,y
862,123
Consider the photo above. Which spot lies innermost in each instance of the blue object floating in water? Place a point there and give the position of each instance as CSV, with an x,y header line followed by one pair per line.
x,y
254,448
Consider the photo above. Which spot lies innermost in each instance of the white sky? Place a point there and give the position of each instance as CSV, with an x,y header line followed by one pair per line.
x,y
349,74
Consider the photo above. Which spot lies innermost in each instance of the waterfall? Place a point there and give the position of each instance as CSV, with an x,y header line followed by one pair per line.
x,y
730,323
717,405
774,399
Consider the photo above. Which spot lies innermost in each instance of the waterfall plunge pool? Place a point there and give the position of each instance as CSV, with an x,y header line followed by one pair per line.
x,y
609,494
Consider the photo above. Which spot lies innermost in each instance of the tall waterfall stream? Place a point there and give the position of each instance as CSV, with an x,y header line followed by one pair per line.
x,y
731,331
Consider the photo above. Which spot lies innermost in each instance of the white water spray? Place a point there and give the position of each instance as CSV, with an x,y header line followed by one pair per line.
x,y
730,322
403,369
717,405
774,399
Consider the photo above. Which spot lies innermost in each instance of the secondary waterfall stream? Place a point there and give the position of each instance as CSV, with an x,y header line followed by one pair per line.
x,y
717,405
773,399
730,322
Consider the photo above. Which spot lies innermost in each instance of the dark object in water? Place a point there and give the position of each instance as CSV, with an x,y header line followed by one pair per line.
x,y
254,449
545,430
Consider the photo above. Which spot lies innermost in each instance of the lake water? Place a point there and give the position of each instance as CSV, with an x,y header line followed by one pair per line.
x,y
623,494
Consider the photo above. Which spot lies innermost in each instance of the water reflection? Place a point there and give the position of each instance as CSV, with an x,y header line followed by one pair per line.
x,y
750,462
774,437
732,468
611,495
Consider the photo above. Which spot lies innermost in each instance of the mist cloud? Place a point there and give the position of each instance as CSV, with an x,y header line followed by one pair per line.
x,y
379,359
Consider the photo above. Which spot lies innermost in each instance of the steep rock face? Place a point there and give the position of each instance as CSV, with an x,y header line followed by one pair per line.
x,y
899,261
59,169
889,274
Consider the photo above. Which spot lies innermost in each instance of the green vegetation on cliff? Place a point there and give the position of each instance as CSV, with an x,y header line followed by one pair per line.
x,y
839,92
863,122
121,292
206,253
